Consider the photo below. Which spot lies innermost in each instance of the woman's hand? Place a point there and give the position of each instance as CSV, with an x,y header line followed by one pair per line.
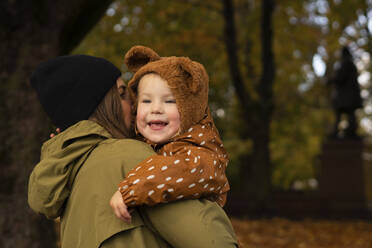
x,y
119,207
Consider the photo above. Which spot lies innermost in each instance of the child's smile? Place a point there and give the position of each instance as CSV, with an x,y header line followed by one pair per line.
x,y
158,118
157,124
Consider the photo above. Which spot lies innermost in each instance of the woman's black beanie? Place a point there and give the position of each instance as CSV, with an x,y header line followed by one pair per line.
x,y
71,87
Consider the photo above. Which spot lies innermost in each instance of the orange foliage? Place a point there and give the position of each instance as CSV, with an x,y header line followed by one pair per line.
x,y
309,233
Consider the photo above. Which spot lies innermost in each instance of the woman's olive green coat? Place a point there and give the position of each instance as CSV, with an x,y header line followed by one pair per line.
x,y
76,177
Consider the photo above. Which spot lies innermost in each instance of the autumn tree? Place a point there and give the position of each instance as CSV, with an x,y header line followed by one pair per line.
x,y
31,31
256,112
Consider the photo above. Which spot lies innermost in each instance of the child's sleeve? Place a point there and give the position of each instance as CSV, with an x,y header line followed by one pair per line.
x,y
182,170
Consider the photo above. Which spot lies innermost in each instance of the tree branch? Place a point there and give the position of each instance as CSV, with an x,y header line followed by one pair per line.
x,y
231,47
265,87
78,25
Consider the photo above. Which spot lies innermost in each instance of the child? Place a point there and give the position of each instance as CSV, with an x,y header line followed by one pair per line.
x,y
171,94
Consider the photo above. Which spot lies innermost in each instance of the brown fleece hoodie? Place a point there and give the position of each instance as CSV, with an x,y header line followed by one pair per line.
x,y
192,164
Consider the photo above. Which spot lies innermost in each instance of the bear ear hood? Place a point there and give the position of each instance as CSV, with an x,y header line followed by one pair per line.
x,y
139,56
193,73
187,79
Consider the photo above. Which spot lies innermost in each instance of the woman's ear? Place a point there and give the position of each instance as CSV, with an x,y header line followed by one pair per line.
x,y
194,74
139,56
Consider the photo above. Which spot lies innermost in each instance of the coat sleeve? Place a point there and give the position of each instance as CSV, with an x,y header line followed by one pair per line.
x,y
50,181
181,170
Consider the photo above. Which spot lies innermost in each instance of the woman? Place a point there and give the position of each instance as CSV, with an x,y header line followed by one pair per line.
x,y
80,167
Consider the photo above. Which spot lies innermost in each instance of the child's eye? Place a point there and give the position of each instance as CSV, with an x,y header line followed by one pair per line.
x,y
170,101
145,101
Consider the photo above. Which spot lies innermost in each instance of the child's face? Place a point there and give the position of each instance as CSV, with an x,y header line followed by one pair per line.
x,y
158,118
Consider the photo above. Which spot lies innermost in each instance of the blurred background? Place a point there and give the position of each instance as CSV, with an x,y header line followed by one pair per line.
x,y
269,63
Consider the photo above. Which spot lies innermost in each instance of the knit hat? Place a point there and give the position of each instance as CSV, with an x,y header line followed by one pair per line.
x,y
71,87
187,80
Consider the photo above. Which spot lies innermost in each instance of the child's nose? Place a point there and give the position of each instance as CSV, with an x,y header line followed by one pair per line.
x,y
156,107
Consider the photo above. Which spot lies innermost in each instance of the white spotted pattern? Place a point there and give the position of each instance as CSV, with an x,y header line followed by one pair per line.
x,y
191,185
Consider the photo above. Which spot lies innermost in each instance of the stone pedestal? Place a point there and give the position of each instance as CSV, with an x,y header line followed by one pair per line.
x,y
345,180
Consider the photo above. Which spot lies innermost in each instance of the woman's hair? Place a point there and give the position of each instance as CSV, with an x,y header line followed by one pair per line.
x,y
109,115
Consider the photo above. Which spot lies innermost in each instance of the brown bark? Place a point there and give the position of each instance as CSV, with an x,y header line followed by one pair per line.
x,y
232,53
31,31
261,166
257,113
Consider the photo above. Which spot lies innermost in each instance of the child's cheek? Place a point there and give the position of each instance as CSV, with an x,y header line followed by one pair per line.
x,y
140,120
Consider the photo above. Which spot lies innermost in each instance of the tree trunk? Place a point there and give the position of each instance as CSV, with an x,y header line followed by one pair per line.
x,y
261,138
31,31
257,113
231,48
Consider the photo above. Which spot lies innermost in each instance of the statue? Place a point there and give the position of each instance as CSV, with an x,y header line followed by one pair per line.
x,y
345,95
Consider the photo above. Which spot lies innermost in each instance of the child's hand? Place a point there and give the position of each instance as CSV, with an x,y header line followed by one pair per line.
x,y
54,134
119,207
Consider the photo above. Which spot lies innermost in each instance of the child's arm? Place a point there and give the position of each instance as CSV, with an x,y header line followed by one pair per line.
x,y
191,167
